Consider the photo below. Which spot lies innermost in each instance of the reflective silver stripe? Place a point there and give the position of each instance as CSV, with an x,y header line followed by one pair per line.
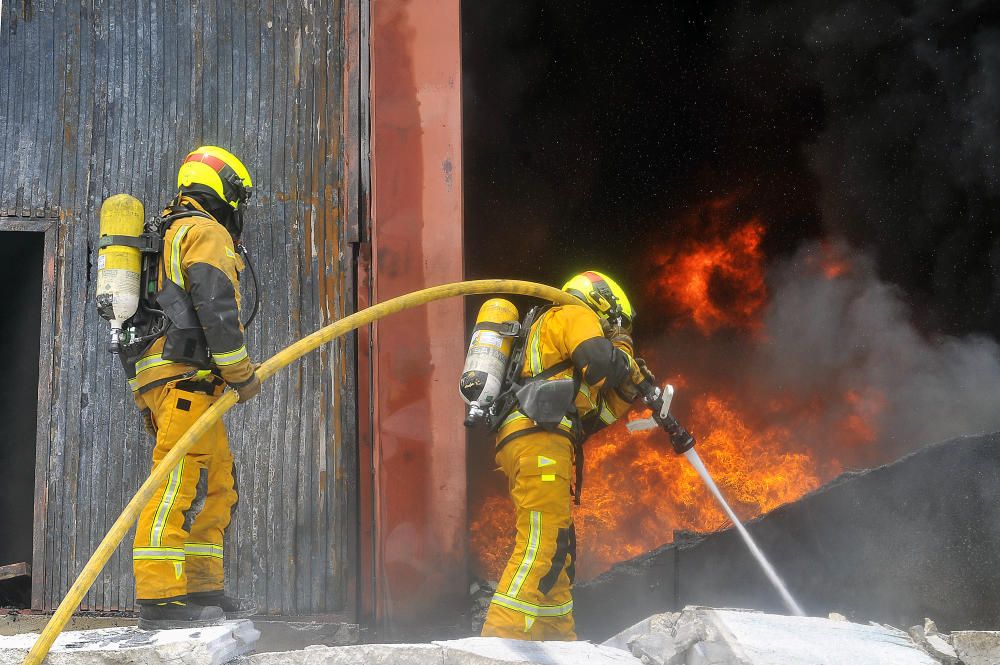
x,y
230,357
177,276
535,343
169,495
531,609
203,549
607,417
149,362
133,384
516,415
158,553
534,536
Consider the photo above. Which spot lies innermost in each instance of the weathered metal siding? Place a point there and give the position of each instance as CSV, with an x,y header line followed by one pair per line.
x,y
108,96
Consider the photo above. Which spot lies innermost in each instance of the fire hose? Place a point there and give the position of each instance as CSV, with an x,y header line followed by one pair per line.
x,y
276,362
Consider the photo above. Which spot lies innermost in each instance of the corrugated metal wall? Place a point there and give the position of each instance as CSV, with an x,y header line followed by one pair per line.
x,y
107,96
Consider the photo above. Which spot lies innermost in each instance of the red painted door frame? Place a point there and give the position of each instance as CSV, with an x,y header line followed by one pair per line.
x,y
418,484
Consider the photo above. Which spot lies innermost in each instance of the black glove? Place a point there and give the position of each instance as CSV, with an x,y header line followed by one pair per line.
x,y
645,370
248,389
147,422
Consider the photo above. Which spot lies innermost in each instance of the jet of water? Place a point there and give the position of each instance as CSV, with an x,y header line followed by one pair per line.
x,y
699,466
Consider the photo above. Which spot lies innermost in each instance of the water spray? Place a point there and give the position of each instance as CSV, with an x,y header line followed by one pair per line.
x,y
683,444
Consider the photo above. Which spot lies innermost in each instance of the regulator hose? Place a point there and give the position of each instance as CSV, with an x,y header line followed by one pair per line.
x,y
276,362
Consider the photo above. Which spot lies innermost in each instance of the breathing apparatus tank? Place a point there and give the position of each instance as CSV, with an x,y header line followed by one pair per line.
x,y
489,352
119,262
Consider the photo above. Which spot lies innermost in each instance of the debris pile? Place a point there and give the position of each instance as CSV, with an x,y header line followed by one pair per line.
x,y
469,651
193,646
708,636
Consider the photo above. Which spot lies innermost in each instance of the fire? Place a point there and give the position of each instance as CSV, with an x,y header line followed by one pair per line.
x,y
715,278
764,444
637,493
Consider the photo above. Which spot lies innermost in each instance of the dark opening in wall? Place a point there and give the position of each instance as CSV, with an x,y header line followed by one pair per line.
x,y
591,133
21,276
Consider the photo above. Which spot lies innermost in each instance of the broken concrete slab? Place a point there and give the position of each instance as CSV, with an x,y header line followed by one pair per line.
x,y
213,645
934,644
977,647
469,651
495,651
657,624
755,638
358,654
707,636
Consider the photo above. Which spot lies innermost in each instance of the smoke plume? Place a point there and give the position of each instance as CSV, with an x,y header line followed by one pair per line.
x,y
836,335
907,156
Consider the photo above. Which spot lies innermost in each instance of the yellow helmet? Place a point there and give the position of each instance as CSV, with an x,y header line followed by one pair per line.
x,y
603,295
211,169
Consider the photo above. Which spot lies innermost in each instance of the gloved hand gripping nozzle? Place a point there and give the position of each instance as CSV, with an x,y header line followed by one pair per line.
x,y
659,401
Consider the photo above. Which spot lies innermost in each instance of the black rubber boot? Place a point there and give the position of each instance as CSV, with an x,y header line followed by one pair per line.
x,y
178,614
235,608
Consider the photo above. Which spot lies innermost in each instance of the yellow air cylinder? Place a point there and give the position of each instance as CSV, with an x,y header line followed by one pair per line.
x,y
119,265
489,351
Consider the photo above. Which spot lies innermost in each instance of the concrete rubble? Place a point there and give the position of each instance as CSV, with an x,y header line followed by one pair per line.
x,y
468,651
694,636
707,636
977,647
126,645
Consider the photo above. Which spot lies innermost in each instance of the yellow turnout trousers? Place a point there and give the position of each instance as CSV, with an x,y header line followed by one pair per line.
x,y
533,599
178,540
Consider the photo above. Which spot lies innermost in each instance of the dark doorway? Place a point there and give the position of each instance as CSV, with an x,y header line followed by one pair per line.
x,y
21,256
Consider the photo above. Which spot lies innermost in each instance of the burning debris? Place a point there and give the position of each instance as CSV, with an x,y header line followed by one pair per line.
x,y
895,544
796,372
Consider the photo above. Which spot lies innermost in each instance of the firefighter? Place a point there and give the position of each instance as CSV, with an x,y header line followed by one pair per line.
x,y
590,345
178,549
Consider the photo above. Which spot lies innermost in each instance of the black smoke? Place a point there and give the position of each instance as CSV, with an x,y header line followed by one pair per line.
x,y
906,160
589,127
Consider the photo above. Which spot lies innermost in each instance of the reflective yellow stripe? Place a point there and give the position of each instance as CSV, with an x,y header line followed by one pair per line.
x,y
548,477
133,384
175,273
230,357
157,554
565,423
531,609
149,362
166,502
203,549
534,536
607,417
514,416
535,350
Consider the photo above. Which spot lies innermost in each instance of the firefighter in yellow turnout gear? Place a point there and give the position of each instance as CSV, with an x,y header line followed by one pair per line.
x,y
198,349
591,346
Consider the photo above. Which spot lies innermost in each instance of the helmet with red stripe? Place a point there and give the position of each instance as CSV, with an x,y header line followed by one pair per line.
x,y
213,170
603,295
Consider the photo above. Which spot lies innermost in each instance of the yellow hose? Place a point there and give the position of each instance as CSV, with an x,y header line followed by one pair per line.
x,y
279,360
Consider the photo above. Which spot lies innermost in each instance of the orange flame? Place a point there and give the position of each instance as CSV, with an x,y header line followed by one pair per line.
x,y
637,492
715,278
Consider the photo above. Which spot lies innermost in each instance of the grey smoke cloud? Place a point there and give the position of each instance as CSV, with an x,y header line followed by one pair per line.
x,y
850,342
